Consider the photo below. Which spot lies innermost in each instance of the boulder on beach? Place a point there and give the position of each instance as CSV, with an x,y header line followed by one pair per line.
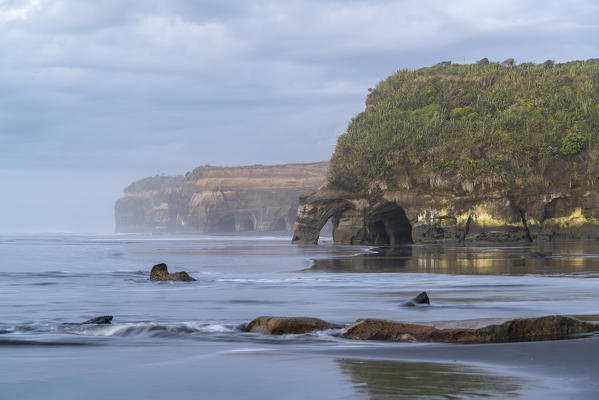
x,y
491,330
288,325
160,273
421,299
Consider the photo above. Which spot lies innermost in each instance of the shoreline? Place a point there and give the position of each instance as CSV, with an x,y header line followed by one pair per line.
x,y
529,370
569,362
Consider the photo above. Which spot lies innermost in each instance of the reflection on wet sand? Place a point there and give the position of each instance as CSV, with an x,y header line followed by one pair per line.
x,y
579,258
380,379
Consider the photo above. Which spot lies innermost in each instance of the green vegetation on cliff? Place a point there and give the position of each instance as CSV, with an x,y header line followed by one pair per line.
x,y
467,127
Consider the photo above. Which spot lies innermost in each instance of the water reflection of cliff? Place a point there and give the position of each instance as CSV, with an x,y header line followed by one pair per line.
x,y
549,258
380,379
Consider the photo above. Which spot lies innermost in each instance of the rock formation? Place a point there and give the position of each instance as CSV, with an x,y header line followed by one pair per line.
x,y
219,199
103,320
421,299
394,218
160,272
484,330
474,331
288,325
465,153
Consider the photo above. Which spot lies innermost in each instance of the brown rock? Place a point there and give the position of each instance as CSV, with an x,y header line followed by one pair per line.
x,y
473,331
288,325
160,273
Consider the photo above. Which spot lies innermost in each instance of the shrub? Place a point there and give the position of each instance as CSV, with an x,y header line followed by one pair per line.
x,y
573,143
508,62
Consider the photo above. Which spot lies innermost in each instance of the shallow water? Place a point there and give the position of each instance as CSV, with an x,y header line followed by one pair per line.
x,y
186,337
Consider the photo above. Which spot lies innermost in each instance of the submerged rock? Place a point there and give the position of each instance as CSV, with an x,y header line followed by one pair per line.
x,y
422,298
288,325
103,320
160,273
471,331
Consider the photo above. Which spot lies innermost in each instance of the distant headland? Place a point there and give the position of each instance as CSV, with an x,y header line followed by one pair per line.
x,y
219,199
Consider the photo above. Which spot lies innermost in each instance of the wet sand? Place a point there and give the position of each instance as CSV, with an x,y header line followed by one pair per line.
x,y
534,370
553,369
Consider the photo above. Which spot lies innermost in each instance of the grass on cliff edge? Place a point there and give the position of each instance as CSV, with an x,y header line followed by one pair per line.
x,y
461,127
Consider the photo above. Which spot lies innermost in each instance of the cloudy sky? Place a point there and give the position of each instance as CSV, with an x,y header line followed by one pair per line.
x,y
95,94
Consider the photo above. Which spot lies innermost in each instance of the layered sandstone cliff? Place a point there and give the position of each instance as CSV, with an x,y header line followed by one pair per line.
x,y
466,153
219,199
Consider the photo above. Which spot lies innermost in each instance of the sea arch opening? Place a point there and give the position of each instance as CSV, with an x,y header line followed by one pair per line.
x,y
389,225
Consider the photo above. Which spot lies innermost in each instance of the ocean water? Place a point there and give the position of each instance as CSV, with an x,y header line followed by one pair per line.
x,y
185,340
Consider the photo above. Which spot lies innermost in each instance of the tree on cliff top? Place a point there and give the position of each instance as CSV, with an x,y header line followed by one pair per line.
x,y
483,123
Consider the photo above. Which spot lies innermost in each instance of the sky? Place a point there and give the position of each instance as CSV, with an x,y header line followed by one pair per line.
x,y
97,94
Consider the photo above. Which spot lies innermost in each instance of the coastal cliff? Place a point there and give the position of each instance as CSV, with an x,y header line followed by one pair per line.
x,y
466,153
219,199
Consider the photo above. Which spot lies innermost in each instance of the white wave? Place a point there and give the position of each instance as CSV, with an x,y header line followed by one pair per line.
x,y
247,350
328,332
209,328
148,329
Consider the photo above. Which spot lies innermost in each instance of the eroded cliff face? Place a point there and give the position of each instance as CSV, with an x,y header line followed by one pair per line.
x,y
219,199
394,217
466,153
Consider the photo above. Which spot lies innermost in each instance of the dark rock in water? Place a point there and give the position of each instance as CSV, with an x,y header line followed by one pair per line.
x,y
288,325
105,319
160,273
534,254
422,298
471,331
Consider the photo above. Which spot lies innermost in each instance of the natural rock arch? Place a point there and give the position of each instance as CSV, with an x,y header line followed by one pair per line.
x,y
388,225
354,222
313,212
378,223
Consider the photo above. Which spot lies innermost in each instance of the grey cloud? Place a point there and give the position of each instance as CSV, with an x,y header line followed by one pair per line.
x,y
127,88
